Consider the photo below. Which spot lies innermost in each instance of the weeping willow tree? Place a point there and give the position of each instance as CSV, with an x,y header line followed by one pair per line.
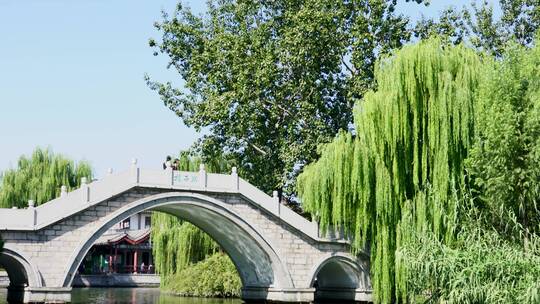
x,y
504,162
39,178
178,244
406,158
498,238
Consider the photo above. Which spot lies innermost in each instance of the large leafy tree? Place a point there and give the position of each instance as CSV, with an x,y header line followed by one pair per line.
x,y
271,80
483,28
39,178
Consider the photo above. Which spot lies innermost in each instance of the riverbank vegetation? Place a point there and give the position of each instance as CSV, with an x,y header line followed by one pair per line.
x,y
440,170
495,255
177,244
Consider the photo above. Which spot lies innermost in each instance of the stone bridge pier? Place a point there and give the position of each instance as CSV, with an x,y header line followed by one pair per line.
x,y
279,255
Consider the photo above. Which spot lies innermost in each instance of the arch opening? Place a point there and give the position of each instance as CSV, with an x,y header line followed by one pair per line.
x,y
339,278
257,263
252,263
15,270
20,273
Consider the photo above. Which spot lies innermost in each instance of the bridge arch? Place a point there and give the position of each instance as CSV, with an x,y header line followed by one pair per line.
x,y
339,277
20,271
257,261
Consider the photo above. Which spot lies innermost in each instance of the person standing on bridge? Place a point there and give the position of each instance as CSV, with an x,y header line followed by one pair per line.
x,y
167,162
176,164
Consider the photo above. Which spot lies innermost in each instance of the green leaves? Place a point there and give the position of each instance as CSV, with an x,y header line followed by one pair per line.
x,y
443,176
404,168
483,27
504,161
271,80
177,244
216,276
40,177
480,267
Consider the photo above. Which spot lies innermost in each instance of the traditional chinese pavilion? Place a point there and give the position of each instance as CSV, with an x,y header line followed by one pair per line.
x,y
126,248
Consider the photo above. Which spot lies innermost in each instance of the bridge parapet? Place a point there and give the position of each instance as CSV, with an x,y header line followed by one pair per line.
x,y
112,185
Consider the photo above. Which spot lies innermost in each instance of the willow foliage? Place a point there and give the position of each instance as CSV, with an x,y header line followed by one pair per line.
x,y
39,178
176,244
407,157
495,257
504,162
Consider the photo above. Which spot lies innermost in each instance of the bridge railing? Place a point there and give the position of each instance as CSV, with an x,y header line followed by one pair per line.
x,y
92,193
14,219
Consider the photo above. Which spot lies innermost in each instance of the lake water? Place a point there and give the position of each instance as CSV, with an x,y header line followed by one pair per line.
x,y
131,295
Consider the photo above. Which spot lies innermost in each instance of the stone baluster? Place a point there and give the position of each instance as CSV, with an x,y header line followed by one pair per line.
x,y
275,199
63,191
202,176
235,179
110,171
85,190
169,172
135,171
33,213
315,224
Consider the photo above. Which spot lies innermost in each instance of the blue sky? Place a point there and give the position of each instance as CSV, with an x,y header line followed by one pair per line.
x,y
71,77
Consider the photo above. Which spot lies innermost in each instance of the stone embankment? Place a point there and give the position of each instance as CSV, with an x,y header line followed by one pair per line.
x,y
4,279
116,280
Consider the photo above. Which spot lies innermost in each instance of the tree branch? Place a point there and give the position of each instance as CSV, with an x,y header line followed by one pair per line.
x,y
260,150
347,66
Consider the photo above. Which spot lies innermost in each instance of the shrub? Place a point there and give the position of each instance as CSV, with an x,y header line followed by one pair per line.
x,y
216,276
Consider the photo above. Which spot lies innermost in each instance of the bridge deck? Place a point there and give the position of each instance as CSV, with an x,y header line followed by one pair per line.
x,y
88,195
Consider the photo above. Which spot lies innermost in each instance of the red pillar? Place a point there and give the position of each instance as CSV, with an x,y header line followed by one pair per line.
x,y
135,261
110,260
110,263
115,257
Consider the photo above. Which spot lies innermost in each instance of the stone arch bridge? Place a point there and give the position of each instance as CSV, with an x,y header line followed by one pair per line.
x,y
280,256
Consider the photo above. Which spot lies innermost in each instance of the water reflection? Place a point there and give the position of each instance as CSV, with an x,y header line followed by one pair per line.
x,y
131,295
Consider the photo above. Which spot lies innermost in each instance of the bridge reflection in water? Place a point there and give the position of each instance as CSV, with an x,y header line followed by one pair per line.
x,y
131,295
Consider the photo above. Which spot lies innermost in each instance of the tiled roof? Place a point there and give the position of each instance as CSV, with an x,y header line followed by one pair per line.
x,y
129,236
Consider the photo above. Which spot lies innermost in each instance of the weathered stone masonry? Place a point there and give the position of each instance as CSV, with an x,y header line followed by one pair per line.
x,y
280,255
